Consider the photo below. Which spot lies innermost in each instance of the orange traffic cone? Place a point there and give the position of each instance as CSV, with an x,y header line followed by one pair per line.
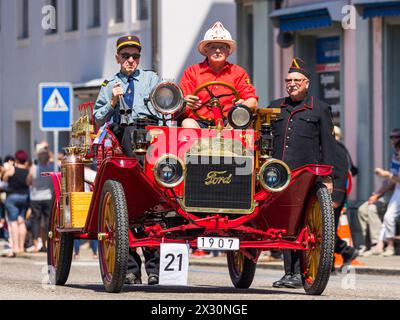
x,y
344,233
343,230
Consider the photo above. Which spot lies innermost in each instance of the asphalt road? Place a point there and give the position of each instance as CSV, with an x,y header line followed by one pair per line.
x,y
25,278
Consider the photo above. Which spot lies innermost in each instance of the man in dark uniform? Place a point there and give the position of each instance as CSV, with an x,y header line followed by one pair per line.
x,y
129,87
343,164
303,134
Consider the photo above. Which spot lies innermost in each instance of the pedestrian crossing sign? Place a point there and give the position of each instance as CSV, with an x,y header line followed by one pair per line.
x,y
55,106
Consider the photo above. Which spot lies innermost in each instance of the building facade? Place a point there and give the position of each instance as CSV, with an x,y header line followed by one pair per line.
x,y
81,50
352,48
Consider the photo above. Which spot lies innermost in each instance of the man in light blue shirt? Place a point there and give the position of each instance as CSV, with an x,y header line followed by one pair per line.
x,y
130,87
127,90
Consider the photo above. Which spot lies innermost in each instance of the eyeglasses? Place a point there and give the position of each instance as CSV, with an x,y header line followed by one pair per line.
x,y
296,81
394,137
126,56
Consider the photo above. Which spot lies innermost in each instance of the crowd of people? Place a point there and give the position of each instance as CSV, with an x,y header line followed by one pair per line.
x,y
26,199
379,215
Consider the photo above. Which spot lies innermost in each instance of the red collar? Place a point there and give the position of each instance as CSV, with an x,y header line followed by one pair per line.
x,y
205,67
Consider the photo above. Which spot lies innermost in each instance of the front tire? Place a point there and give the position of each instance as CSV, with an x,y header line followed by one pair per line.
x,y
241,269
114,248
317,260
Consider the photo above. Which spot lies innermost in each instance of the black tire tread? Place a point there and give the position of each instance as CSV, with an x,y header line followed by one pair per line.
x,y
327,246
122,237
245,279
63,268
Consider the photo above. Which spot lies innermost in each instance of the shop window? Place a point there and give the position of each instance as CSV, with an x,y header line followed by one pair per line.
x,y
23,19
391,83
328,70
94,13
116,11
142,10
72,12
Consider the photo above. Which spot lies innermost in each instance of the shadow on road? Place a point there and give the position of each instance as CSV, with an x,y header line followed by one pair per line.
x,y
187,289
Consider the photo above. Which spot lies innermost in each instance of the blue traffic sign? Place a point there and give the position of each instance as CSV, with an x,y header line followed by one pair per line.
x,y
55,106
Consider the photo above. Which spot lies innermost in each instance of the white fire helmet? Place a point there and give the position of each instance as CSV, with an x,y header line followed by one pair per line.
x,y
217,34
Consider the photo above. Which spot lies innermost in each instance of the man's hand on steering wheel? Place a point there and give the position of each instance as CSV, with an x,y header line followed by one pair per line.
x,y
193,102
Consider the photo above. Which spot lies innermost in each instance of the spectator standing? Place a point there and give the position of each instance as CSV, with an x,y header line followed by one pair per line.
x,y
93,244
41,195
388,228
8,162
342,166
17,201
370,212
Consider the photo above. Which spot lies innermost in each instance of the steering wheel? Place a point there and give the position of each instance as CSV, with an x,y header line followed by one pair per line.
x,y
214,100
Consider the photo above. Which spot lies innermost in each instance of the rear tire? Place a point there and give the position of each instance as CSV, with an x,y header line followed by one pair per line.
x,y
241,269
317,261
59,249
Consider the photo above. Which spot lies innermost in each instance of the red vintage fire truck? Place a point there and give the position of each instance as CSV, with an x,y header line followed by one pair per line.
x,y
205,187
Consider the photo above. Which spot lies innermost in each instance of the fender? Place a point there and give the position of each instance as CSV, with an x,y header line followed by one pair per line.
x,y
285,210
140,193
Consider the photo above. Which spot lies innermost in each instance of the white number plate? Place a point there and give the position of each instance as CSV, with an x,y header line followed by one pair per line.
x,y
214,243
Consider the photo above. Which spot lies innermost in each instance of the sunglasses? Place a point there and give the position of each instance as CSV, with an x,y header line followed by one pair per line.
x,y
126,56
394,137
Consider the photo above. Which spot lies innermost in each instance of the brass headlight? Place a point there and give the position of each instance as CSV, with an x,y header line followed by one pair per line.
x,y
169,171
167,98
274,175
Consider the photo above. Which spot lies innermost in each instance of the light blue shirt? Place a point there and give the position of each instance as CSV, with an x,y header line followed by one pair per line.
x,y
144,82
395,166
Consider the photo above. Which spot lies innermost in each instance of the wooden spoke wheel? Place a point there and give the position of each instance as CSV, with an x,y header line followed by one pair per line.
x,y
317,260
241,269
113,236
59,249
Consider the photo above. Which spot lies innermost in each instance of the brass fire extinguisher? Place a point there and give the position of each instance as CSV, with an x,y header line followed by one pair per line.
x,y
72,180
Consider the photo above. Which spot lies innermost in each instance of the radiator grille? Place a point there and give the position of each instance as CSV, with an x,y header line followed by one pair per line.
x,y
219,184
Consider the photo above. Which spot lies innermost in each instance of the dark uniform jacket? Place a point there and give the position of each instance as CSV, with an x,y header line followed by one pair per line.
x,y
340,173
343,164
303,132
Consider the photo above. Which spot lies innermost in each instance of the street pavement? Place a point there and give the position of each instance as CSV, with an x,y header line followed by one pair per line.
x,y
374,265
26,278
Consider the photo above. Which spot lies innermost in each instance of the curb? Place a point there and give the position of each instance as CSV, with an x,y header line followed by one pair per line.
x,y
378,271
